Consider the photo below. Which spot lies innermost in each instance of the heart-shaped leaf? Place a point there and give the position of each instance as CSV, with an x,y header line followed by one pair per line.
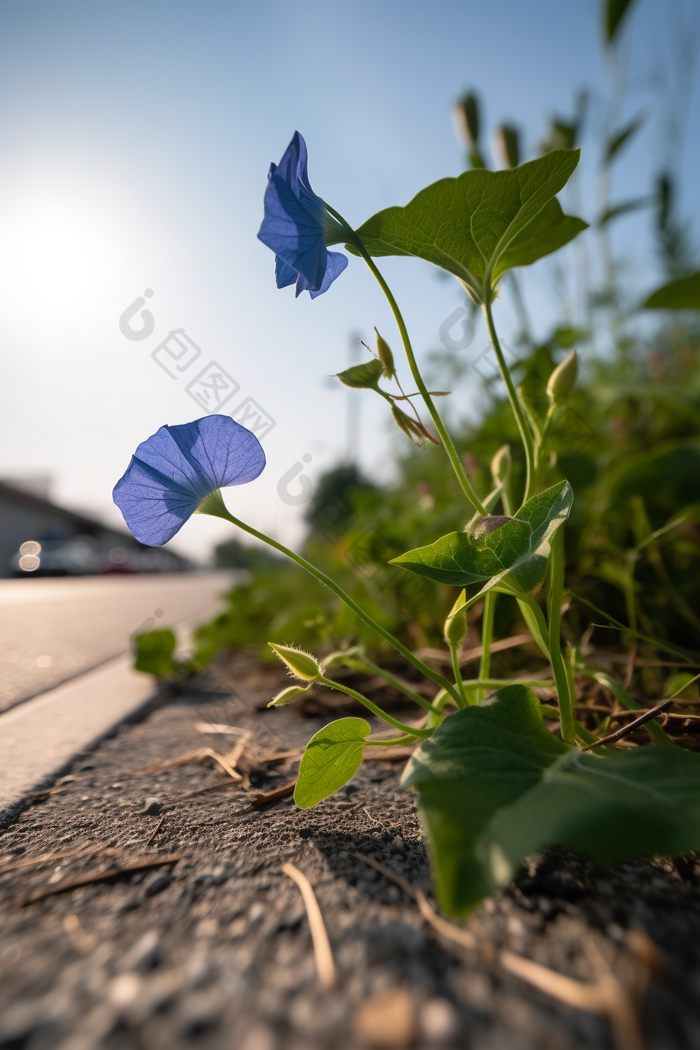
x,y
482,223
495,785
479,760
513,558
332,757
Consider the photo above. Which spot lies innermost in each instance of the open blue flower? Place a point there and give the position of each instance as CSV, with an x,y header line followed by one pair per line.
x,y
297,226
174,469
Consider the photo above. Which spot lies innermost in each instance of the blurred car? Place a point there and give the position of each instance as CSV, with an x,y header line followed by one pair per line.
x,y
72,557
81,556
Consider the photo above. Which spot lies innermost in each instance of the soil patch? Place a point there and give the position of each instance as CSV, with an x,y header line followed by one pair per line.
x,y
214,950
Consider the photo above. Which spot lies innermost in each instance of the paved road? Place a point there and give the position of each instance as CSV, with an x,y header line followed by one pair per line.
x,y
54,629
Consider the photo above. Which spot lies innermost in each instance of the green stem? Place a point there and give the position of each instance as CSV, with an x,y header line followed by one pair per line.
x,y
447,442
518,411
535,622
330,684
541,439
214,504
396,741
486,639
554,600
397,684
454,652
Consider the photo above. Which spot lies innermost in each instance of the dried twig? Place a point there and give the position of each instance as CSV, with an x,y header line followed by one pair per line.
x,y
215,727
195,756
645,717
325,966
443,656
606,998
97,876
264,798
47,858
447,929
155,830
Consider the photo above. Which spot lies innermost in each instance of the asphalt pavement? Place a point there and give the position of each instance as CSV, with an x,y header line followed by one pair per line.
x,y
54,629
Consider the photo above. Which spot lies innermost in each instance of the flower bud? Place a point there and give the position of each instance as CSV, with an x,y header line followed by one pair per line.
x,y
467,118
290,693
301,664
501,464
385,356
456,622
508,142
563,378
412,428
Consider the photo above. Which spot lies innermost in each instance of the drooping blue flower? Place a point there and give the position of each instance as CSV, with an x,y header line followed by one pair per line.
x,y
173,470
297,226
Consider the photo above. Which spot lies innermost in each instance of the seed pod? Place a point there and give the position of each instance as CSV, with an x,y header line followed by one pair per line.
x,y
456,622
501,465
290,693
385,356
301,664
563,378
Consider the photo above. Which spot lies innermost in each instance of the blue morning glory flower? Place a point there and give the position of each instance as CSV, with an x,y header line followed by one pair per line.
x,y
173,470
297,226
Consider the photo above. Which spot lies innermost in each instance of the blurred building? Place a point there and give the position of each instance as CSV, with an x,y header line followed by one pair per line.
x,y
39,537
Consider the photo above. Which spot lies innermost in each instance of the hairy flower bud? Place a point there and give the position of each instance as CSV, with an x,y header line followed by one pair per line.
x,y
290,693
456,622
385,356
301,664
563,378
501,464
412,428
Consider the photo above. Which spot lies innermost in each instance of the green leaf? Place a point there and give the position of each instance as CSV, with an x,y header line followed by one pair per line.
x,y
618,210
495,786
479,760
154,653
482,223
615,11
362,377
683,294
513,558
332,757
618,140
608,807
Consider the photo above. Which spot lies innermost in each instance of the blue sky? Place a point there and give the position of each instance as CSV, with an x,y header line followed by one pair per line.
x,y
134,144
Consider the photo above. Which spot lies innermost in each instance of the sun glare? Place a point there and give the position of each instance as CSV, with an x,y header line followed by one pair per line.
x,y
56,257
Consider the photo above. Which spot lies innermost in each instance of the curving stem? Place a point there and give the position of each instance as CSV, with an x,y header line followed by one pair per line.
x,y
214,505
447,442
518,411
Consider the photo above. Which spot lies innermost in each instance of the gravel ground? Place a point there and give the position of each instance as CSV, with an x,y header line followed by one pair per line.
x,y
214,950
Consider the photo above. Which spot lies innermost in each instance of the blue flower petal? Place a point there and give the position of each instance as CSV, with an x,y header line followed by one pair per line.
x,y
334,267
174,469
284,274
293,225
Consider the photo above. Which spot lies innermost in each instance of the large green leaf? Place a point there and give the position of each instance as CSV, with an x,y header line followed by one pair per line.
x,y
513,558
482,223
683,294
479,760
495,786
332,757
